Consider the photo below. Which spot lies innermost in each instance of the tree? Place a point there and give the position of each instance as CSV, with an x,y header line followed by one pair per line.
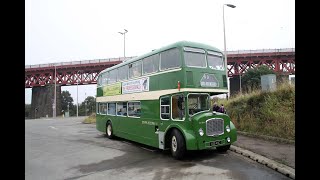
x,y
66,100
88,104
251,79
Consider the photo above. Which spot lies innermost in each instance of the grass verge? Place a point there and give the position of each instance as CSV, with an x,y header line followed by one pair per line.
x,y
264,113
90,120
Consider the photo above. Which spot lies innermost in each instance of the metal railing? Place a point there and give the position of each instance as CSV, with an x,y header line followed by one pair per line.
x,y
78,62
261,51
127,58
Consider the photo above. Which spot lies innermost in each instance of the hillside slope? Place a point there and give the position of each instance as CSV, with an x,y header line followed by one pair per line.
x,y
264,113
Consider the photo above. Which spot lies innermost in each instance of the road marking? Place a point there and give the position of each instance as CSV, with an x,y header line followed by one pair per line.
x,y
53,127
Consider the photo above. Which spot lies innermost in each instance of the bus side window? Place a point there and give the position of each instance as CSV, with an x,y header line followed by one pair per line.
x,y
134,109
165,107
178,107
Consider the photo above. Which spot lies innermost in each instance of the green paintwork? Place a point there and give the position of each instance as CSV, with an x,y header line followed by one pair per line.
x,y
143,129
199,122
178,45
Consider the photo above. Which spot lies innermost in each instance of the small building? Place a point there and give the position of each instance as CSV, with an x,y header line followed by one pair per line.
x,y
292,79
268,82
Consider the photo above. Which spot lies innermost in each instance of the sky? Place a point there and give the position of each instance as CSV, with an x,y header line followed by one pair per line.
x,y
72,30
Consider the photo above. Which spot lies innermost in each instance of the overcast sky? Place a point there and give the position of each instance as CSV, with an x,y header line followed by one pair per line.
x,y
71,30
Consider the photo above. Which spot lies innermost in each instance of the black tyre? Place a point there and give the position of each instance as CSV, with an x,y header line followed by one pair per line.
x,y
177,144
223,148
109,130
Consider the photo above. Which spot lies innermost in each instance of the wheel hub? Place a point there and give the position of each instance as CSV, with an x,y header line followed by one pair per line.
x,y
109,130
174,143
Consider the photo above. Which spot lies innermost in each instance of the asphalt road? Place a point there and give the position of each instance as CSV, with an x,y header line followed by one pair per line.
x,y
68,149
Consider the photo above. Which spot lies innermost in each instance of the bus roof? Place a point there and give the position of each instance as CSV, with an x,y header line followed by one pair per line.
x,y
176,44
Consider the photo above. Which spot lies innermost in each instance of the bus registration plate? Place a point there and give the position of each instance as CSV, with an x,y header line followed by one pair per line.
x,y
216,143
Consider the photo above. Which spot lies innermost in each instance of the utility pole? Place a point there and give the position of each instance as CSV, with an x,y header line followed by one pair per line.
x,y
55,93
124,42
225,46
85,103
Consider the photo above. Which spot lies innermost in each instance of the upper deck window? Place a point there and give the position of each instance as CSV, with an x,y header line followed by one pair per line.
x,y
112,76
122,73
170,59
104,79
99,83
215,60
194,57
135,69
151,64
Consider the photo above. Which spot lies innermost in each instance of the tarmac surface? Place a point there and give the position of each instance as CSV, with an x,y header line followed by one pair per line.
x,y
283,153
67,149
275,153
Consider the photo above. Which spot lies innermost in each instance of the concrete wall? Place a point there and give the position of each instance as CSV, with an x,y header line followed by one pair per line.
x,y
42,99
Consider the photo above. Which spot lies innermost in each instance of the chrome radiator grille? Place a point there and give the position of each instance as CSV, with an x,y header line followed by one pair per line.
x,y
214,127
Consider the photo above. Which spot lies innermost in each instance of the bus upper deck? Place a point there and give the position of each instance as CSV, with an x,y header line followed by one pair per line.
x,y
184,65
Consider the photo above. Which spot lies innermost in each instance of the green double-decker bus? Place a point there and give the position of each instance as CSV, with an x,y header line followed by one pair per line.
x,y
162,99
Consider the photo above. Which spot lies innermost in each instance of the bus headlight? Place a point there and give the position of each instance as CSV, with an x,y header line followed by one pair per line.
x,y
201,132
228,128
228,139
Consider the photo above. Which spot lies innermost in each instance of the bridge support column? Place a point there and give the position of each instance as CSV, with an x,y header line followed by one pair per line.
x,y
234,85
42,101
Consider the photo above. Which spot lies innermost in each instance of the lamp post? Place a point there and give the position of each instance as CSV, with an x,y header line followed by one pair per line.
x,y
85,104
124,42
55,92
225,45
77,92
77,97
240,83
85,107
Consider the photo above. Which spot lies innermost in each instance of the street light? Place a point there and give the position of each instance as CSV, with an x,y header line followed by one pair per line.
x,y
85,103
77,92
225,51
240,84
55,92
124,42
85,107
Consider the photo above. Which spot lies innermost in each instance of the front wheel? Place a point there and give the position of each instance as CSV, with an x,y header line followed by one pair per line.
x,y
109,130
223,148
178,145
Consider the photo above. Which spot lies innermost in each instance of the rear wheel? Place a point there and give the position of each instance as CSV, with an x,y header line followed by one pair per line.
x,y
109,130
178,145
223,148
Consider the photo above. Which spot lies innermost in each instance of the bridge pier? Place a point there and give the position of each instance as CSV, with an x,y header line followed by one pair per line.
x,y
42,101
234,85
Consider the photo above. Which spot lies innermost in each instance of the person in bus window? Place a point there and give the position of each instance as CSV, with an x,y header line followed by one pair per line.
x,y
215,107
181,107
221,109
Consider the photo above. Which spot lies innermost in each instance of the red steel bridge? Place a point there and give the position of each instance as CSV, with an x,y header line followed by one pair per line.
x,y
86,72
